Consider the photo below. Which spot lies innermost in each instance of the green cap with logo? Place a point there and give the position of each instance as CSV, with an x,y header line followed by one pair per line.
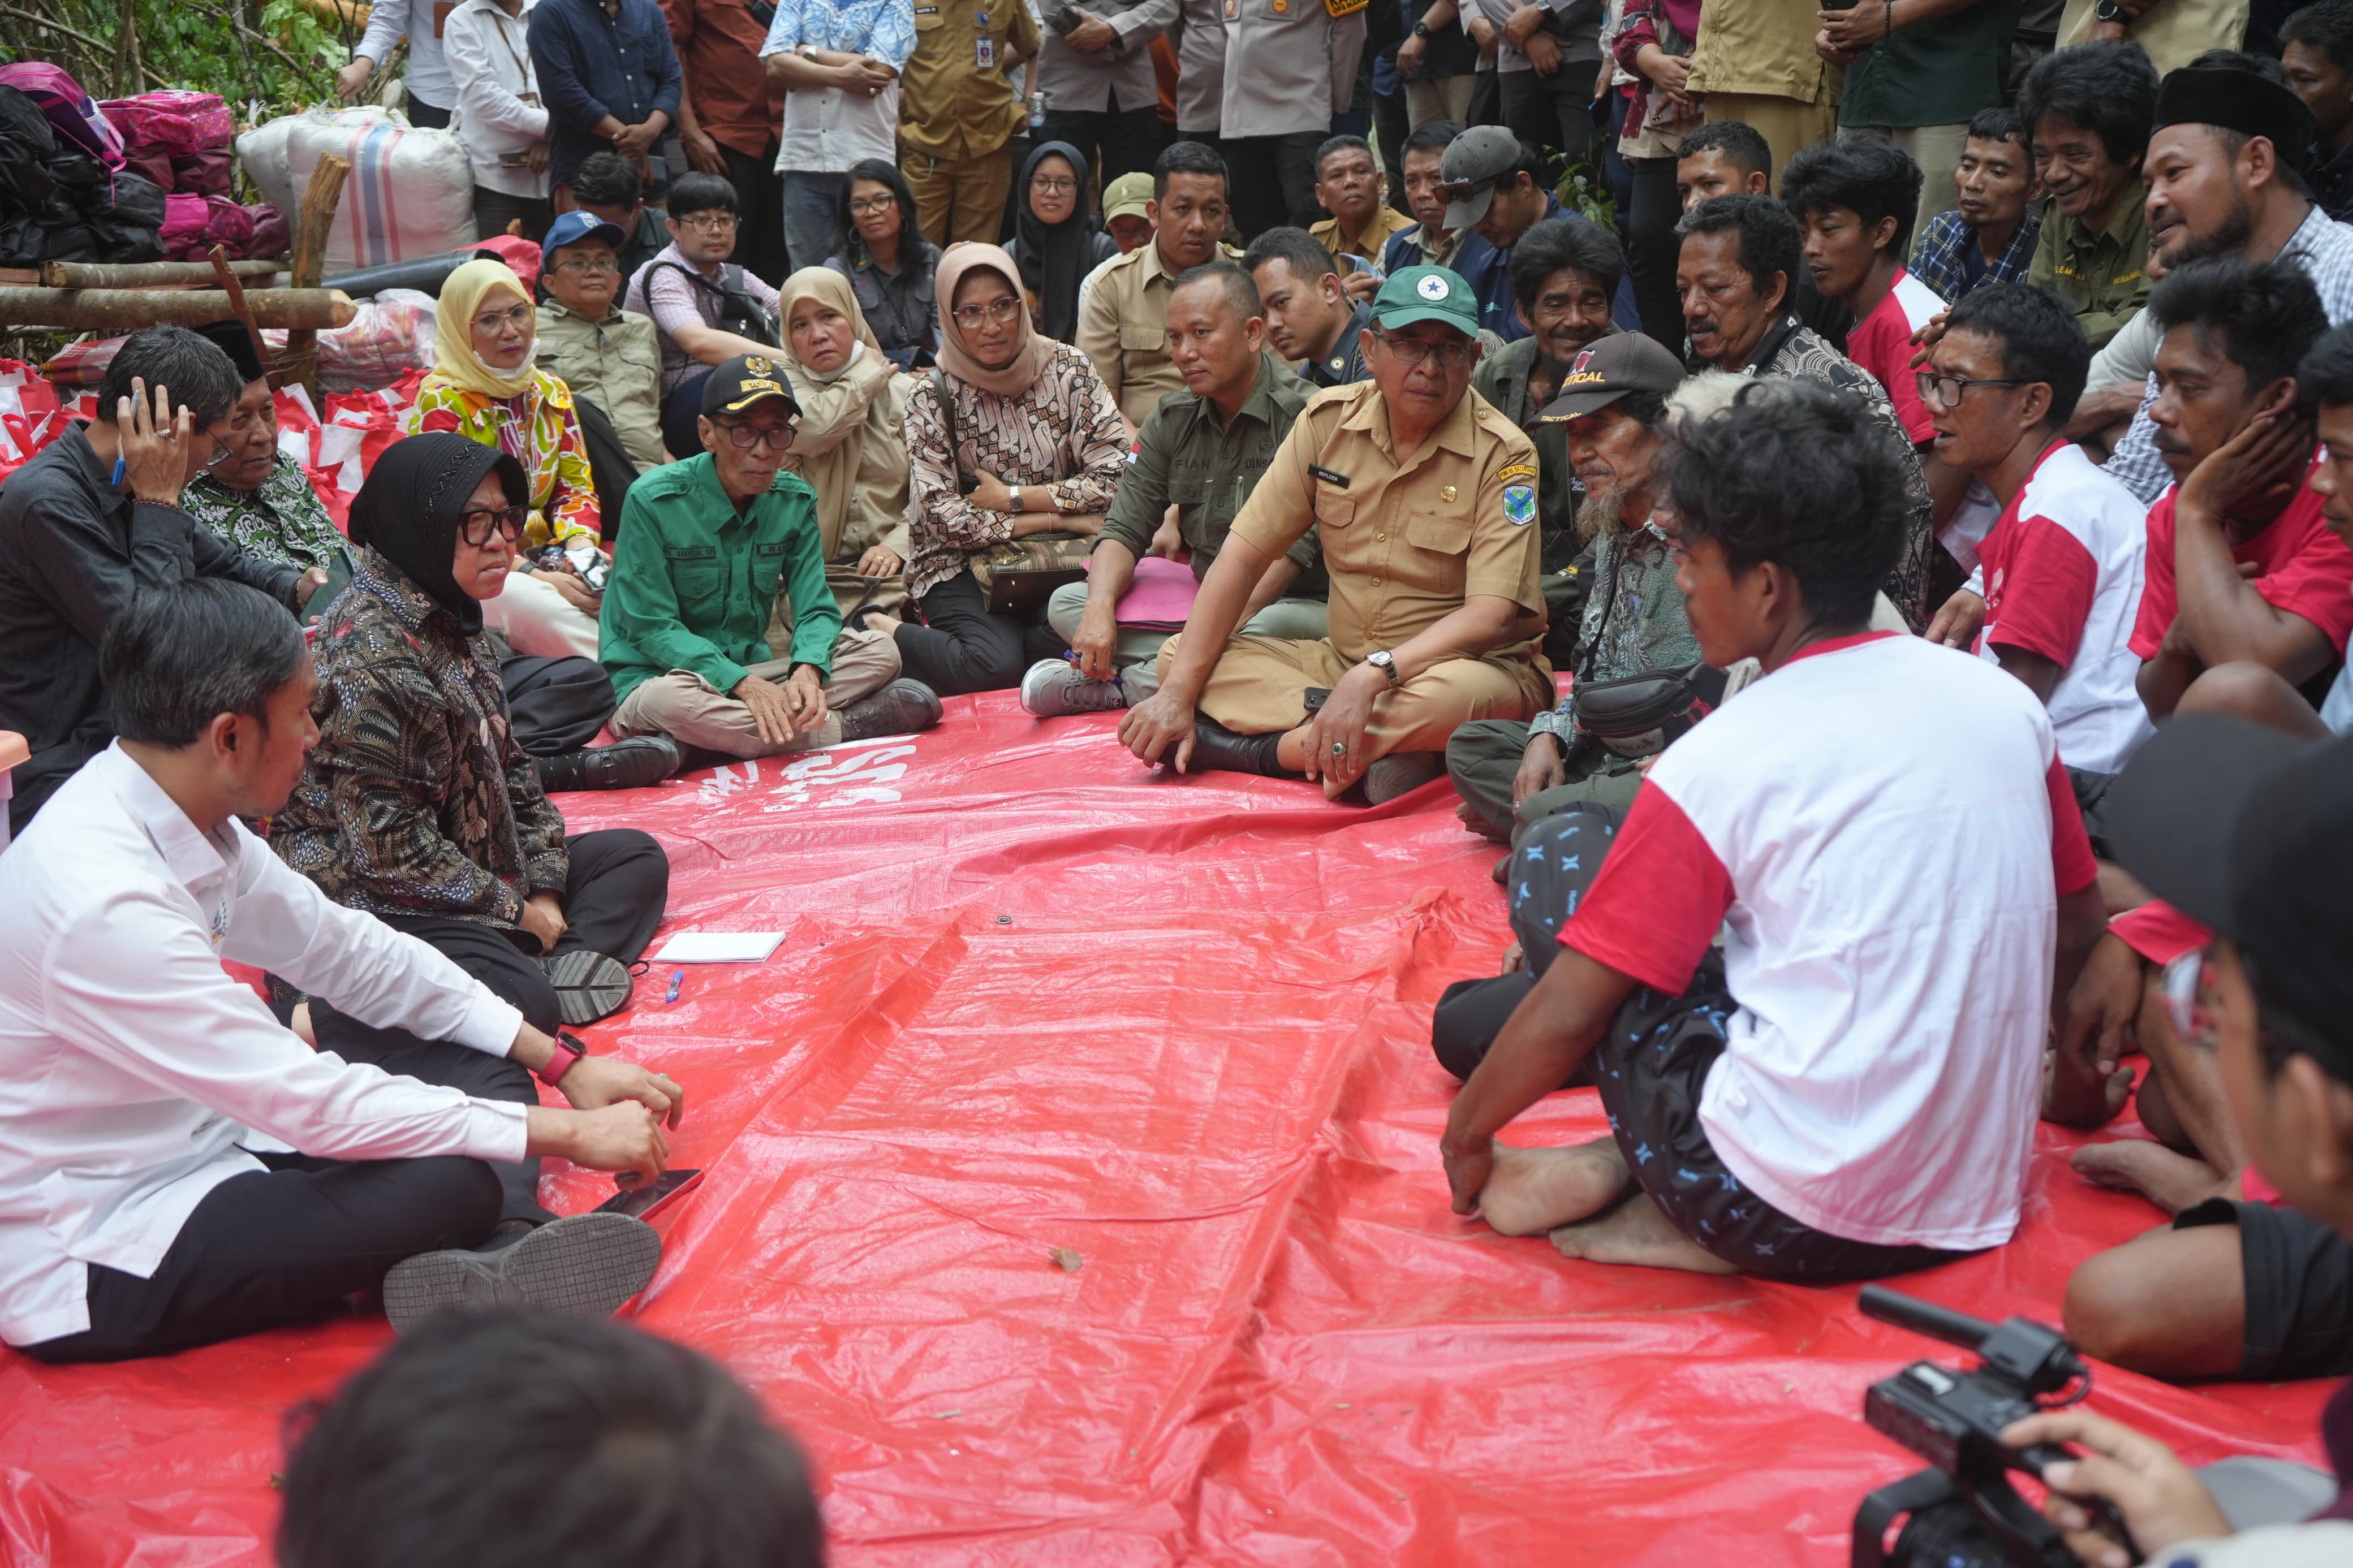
x,y
1425,294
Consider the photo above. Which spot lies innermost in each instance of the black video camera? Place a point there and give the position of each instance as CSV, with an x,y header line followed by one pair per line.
x,y
1964,1513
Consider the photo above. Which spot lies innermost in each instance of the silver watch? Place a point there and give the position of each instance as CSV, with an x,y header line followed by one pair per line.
x,y
1380,658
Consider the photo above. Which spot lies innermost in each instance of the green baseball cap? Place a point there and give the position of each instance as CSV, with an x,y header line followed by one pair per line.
x,y
1425,294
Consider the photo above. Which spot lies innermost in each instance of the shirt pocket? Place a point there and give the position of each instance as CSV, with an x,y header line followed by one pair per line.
x,y
928,17
767,565
1334,508
1438,558
696,576
1136,340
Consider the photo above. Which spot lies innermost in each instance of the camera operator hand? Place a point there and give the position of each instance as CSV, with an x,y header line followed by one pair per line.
x,y
2162,1503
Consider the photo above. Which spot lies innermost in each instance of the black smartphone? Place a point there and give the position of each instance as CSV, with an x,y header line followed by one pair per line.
x,y
638,1203
1316,697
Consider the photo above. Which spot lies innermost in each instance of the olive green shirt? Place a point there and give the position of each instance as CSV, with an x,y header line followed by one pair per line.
x,y
1502,379
2105,275
1182,457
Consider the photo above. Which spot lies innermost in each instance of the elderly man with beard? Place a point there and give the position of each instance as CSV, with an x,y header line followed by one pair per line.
x,y
1740,257
1612,406
1565,273
2225,171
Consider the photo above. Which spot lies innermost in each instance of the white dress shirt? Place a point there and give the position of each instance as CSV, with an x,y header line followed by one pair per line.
x,y
429,73
134,1072
498,111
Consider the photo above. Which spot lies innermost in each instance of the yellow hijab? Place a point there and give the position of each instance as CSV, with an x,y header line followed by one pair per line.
x,y
454,363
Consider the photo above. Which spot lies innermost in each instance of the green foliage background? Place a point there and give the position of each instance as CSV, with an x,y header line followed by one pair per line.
x,y
265,57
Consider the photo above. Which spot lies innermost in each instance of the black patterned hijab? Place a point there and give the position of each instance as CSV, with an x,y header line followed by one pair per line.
x,y
408,510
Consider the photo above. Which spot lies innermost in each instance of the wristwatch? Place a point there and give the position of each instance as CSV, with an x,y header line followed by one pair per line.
x,y
1380,658
1013,493
2109,11
567,1051
1421,30
806,51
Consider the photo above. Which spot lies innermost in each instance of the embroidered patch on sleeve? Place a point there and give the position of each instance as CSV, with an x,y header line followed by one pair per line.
x,y
1519,505
1518,473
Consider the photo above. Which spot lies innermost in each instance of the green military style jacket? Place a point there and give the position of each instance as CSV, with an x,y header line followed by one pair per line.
x,y
694,581
1182,457
1502,379
2103,275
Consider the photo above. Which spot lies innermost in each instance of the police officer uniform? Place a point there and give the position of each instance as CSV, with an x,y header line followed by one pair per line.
x,y
1182,458
1407,538
1346,362
1290,70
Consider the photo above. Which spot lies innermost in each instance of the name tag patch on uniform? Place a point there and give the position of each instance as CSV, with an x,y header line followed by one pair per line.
x,y
1519,505
1328,476
1517,474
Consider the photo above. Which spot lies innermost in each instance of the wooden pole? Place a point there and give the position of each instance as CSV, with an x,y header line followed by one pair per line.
x,y
313,225
128,310
237,307
150,274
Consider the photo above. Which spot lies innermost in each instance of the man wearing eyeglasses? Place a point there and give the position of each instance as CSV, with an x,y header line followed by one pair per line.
x,y
705,306
711,552
607,356
1421,496
94,517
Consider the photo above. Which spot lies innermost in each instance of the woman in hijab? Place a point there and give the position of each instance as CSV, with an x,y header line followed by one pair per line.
x,y
484,386
1058,240
851,446
416,805
888,262
1038,449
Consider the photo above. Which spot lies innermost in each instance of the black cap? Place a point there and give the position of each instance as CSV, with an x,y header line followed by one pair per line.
x,y
2251,830
2237,98
739,383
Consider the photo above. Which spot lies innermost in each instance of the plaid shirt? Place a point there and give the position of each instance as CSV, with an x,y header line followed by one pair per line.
x,y
1940,256
2324,249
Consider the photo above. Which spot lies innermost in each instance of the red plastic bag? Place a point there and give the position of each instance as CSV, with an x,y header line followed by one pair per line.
x,y
520,256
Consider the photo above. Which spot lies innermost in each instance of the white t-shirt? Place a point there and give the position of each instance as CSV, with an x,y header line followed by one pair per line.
x,y
2061,576
1878,827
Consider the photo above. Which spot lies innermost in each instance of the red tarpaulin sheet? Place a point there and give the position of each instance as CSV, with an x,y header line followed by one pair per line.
x,y
1033,997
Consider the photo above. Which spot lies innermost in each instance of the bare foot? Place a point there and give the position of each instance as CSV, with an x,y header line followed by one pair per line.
x,y
882,621
2074,1095
1475,821
301,1023
2171,1181
1636,1231
1532,1190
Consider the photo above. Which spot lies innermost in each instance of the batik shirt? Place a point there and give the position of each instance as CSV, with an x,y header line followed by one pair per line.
x,y
417,800
279,520
537,429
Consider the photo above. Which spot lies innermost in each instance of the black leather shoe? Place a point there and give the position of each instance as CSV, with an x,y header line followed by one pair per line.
x,y
625,765
1216,748
903,708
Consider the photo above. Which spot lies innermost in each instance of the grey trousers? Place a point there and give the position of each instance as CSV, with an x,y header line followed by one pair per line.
x,y
1483,758
1137,650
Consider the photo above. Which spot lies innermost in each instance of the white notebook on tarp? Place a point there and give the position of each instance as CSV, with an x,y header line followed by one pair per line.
x,y
720,947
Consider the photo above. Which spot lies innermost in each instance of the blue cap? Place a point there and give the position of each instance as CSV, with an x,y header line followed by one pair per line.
x,y
577,225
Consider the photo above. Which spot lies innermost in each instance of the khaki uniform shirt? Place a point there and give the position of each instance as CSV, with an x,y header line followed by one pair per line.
x,y
1124,328
1762,46
2172,33
2105,275
1291,67
1181,456
1406,544
1386,221
614,363
950,106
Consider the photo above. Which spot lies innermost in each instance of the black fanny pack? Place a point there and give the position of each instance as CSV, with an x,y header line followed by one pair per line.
x,y
1638,714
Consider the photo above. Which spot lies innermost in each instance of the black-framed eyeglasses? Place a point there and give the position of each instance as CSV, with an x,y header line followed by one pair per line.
x,y
1057,186
865,207
744,438
1414,350
480,525
1948,390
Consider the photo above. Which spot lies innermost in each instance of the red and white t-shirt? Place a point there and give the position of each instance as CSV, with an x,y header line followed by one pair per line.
x,y
1882,828
2061,575
1882,343
2306,570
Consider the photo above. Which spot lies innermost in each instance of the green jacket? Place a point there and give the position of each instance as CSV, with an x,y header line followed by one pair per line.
x,y
694,581
2105,275
1181,456
1502,379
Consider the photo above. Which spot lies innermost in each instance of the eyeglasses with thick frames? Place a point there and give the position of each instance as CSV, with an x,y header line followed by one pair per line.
x,y
1414,351
480,525
1948,390
1055,185
746,436
972,318
710,223
866,206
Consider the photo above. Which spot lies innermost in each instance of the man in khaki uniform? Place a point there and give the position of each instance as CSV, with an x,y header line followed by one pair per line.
x,y
1423,498
958,113
1755,63
1123,322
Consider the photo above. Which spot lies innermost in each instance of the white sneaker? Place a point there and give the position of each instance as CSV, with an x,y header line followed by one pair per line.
x,y
1054,687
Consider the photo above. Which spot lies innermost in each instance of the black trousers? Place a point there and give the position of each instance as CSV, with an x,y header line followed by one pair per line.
x,y
493,210
759,219
680,410
555,705
1391,125
424,116
964,649
1116,140
1543,114
276,1247
610,467
1652,250
1273,179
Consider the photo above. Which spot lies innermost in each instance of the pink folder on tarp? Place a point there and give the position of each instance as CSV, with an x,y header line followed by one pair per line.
x,y
1161,596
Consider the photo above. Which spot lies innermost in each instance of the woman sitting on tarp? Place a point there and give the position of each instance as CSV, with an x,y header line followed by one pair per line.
x,y
888,263
849,446
1057,239
1014,438
483,386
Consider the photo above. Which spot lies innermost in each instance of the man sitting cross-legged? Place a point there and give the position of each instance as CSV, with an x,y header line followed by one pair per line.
x,y
710,548
1202,451
176,1167
1421,497
1879,825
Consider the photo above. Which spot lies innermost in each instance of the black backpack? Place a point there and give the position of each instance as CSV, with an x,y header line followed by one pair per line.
x,y
738,312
